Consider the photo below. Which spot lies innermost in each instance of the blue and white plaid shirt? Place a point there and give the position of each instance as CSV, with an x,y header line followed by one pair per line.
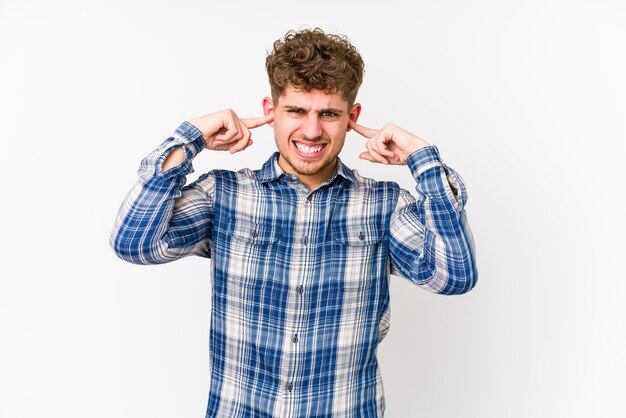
x,y
300,296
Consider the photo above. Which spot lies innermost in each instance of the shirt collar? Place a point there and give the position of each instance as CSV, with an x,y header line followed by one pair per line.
x,y
271,171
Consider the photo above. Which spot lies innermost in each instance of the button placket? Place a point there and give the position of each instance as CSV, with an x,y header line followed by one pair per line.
x,y
301,241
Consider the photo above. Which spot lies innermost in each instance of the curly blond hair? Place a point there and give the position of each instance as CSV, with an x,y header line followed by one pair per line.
x,y
311,59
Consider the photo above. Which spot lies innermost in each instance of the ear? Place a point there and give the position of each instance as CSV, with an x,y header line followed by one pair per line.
x,y
268,108
354,114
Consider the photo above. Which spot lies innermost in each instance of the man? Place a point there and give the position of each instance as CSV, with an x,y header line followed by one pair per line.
x,y
301,249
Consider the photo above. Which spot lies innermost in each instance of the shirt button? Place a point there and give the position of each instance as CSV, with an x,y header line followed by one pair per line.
x,y
300,289
255,234
295,338
361,236
289,386
304,240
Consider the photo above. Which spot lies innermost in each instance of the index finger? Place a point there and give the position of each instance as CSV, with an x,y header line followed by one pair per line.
x,y
256,122
362,130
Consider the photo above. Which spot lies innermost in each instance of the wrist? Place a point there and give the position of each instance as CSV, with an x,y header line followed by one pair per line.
x,y
174,158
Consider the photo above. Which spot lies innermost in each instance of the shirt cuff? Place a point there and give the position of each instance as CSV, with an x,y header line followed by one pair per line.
x,y
429,173
424,159
190,135
190,139
435,179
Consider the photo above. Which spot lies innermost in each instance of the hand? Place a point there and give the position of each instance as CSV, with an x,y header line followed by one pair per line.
x,y
224,130
389,145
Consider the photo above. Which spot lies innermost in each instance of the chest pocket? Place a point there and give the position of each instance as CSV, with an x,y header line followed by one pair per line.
x,y
359,256
252,252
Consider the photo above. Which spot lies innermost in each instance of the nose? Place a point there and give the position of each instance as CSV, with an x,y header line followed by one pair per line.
x,y
311,127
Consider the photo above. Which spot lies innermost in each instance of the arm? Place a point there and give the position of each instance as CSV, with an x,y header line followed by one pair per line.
x,y
160,220
431,243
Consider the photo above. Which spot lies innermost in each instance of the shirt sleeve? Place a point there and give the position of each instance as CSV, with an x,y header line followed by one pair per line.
x,y
160,219
431,243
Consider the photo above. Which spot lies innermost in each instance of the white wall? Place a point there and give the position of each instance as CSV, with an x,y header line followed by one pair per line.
x,y
526,99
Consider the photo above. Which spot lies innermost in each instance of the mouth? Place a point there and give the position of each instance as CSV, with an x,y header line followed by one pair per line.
x,y
310,151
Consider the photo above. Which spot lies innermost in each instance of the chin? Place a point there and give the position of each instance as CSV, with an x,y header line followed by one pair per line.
x,y
307,167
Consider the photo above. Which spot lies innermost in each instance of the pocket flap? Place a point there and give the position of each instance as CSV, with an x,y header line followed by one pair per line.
x,y
256,233
358,234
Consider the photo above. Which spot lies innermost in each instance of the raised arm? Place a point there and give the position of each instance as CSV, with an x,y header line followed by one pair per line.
x,y
160,220
431,243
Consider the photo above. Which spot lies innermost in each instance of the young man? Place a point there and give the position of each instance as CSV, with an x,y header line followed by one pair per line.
x,y
301,249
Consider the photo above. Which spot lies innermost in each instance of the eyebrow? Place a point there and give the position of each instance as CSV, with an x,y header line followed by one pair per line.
x,y
330,109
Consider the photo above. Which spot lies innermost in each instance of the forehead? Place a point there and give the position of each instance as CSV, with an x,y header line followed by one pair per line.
x,y
312,100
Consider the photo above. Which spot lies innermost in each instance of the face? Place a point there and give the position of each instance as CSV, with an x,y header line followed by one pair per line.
x,y
310,129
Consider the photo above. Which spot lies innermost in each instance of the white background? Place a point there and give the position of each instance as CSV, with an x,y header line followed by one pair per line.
x,y
526,99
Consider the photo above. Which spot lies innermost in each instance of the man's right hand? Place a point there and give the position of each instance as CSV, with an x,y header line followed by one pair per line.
x,y
221,131
224,130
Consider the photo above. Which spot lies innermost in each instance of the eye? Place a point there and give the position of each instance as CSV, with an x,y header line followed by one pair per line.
x,y
328,114
296,111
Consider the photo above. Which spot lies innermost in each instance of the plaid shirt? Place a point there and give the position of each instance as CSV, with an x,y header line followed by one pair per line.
x,y
300,278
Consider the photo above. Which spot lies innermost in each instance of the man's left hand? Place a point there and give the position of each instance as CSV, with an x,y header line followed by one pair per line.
x,y
388,145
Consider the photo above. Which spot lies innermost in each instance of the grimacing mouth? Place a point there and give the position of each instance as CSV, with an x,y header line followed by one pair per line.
x,y
310,148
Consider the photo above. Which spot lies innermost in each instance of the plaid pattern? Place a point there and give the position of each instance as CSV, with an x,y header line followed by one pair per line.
x,y
300,296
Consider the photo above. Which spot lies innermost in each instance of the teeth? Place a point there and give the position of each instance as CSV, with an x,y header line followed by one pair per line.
x,y
309,150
